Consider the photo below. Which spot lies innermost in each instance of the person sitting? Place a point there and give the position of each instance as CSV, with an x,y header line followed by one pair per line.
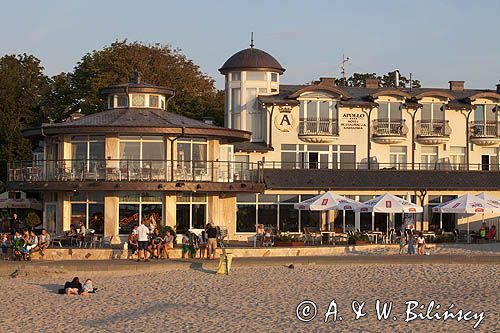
x,y
492,233
259,235
43,241
74,287
168,243
32,242
133,246
156,243
268,238
88,288
5,239
202,243
81,232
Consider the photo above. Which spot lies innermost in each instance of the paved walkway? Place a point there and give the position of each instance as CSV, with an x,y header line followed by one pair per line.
x,y
8,267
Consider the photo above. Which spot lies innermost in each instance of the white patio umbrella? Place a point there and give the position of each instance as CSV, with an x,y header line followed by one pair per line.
x,y
467,204
491,199
388,203
328,201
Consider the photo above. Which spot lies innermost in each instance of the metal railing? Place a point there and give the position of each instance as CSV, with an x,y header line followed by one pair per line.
x,y
484,129
389,127
432,128
135,170
318,127
442,166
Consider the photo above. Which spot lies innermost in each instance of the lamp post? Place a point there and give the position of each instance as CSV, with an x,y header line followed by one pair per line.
x,y
467,139
369,116
413,145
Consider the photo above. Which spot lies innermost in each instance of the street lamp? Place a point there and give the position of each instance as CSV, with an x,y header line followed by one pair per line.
x,y
413,144
369,116
467,139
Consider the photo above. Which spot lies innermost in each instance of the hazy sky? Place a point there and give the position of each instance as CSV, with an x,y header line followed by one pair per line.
x,y
436,40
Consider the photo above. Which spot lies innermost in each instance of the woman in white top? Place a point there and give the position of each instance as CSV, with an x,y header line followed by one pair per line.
x,y
421,244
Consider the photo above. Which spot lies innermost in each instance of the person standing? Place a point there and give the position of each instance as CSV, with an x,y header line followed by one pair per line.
x,y
142,239
421,244
212,241
14,224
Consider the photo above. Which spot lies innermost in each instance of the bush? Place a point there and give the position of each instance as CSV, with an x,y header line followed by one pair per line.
x,y
357,236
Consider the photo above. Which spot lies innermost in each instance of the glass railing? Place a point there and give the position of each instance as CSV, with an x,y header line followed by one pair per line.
x,y
135,170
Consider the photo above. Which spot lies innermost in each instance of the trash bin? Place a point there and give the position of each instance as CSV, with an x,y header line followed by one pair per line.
x,y
225,263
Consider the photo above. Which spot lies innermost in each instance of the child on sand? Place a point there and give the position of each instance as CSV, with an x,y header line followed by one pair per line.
x,y
4,246
402,244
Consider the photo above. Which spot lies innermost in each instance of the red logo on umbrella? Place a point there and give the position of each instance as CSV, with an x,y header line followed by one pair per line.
x,y
412,210
324,202
388,204
479,210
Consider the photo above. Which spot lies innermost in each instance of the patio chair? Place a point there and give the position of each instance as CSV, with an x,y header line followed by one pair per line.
x,y
267,240
221,236
57,240
106,241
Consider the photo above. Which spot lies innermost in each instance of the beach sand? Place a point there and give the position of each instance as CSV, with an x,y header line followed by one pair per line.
x,y
250,299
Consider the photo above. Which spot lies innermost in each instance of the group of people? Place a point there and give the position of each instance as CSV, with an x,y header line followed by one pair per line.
x,y
23,245
487,233
75,287
205,242
408,242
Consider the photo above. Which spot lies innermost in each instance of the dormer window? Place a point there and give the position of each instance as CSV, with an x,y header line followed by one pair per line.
x,y
122,101
154,101
138,100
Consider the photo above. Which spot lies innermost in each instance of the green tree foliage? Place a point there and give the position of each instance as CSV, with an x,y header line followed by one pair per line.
x,y
386,80
161,65
23,88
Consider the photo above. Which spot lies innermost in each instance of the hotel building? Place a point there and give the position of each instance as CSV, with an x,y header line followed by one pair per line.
x,y
282,144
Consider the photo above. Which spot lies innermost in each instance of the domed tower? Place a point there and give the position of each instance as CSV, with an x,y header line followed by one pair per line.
x,y
249,73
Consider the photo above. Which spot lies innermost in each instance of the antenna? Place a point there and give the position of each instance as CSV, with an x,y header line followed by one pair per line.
x,y
344,60
411,83
251,40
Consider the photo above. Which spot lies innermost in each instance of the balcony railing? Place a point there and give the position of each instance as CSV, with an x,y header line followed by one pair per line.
x,y
442,166
389,127
135,170
318,127
484,129
432,128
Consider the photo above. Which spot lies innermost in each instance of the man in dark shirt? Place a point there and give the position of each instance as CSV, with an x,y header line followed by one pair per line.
x,y
212,241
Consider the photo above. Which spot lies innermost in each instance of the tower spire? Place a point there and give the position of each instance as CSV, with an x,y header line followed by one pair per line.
x,y
251,40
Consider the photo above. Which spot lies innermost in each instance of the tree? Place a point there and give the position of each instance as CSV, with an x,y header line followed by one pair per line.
x,y
161,65
23,88
389,80
358,79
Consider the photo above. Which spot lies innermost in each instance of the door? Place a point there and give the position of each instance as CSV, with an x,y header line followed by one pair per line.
x,y
50,222
226,167
318,160
485,162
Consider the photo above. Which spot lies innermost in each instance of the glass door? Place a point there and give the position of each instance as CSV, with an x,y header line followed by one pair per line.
x,y
50,218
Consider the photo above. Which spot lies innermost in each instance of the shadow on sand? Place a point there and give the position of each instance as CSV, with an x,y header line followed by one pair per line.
x,y
198,266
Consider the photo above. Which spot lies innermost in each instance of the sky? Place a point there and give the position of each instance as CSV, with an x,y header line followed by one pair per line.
x,y
435,40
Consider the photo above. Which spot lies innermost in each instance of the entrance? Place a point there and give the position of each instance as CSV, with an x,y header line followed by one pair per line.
x,y
318,160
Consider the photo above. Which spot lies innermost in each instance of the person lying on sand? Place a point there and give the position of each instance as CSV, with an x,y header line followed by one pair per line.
x,y
74,287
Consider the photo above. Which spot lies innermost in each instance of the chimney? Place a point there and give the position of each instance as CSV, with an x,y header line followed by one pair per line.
x,y
327,81
498,88
371,83
457,85
75,115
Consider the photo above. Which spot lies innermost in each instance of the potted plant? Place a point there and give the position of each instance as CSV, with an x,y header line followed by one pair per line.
x,y
358,238
32,220
287,239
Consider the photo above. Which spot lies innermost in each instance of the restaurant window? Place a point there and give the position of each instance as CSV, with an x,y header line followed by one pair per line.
x,y
428,157
449,220
192,156
142,156
154,101
89,209
87,154
135,207
397,157
191,212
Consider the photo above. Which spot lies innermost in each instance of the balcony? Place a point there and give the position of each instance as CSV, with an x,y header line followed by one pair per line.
x,y
318,131
484,133
432,132
136,174
389,131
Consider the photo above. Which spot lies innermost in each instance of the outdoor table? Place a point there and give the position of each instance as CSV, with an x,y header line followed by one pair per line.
x,y
375,235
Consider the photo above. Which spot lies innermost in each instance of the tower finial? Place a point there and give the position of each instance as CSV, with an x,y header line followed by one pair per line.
x,y
251,40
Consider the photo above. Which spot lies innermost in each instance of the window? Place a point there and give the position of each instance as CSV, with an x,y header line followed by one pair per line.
x,y
262,91
87,153
122,101
428,158
142,153
449,220
344,157
397,157
273,211
111,101
389,119
137,207
236,76
138,100
255,120
89,209
154,101
274,77
318,117
432,112
256,76
235,100
191,212
485,113
489,159
457,158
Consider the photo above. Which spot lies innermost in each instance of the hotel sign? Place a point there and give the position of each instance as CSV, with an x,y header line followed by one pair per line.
x,y
353,120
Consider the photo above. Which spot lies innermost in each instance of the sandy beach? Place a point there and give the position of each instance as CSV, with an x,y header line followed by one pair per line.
x,y
251,299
